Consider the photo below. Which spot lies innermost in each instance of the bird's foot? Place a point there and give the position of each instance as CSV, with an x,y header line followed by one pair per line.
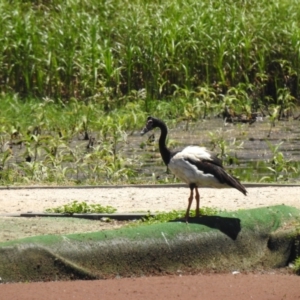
x,y
186,219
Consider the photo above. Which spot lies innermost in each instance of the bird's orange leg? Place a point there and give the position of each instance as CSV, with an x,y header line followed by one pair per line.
x,y
197,197
189,206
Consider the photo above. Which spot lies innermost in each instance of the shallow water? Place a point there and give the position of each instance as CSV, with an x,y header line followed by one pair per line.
x,y
247,148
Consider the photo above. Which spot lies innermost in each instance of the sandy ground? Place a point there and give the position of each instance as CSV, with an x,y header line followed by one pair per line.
x,y
132,199
143,199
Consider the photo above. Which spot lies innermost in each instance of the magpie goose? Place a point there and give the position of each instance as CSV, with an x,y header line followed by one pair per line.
x,y
194,165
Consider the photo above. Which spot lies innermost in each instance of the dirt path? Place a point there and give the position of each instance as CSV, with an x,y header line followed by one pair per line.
x,y
207,287
143,199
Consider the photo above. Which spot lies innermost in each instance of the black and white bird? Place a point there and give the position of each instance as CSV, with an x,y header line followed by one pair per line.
x,y
194,165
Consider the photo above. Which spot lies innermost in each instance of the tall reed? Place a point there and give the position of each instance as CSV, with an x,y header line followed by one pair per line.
x,y
107,49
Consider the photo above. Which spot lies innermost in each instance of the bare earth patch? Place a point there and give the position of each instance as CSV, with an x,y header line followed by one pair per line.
x,y
13,228
143,199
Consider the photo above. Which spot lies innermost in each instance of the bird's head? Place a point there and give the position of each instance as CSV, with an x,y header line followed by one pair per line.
x,y
149,125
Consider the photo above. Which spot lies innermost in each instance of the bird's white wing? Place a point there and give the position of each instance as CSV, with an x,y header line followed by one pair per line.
x,y
185,166
196,165
199,154
195,152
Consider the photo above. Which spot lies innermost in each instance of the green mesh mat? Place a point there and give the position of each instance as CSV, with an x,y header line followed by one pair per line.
x,y
242,240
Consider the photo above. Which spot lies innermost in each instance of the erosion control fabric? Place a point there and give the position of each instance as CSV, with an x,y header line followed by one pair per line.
x,y
242,240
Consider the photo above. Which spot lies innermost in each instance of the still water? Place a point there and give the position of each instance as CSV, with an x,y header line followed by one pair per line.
x,y
253,153
249,150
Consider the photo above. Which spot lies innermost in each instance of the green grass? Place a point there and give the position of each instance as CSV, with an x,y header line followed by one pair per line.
x,y
163,217
81,208
109,51
43,142
94,70
160,217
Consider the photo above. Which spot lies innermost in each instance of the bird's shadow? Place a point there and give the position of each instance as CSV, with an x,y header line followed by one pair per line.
x,y
229,226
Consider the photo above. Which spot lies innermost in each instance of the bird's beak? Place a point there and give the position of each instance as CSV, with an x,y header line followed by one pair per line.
x,y
145,130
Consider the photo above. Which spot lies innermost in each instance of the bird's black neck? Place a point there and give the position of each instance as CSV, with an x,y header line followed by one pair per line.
x,y
164,151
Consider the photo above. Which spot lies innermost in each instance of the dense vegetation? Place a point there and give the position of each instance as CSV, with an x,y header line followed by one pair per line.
x,y
92,70
111,51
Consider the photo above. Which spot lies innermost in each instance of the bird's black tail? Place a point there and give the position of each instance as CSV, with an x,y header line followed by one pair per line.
x,y
235,183
230,180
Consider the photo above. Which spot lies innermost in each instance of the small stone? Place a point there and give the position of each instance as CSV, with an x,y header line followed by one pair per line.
x,y
291,265
235,272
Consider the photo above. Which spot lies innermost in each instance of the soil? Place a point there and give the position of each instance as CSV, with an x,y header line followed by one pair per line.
x,y
13,228
143,199
266,286
275,284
